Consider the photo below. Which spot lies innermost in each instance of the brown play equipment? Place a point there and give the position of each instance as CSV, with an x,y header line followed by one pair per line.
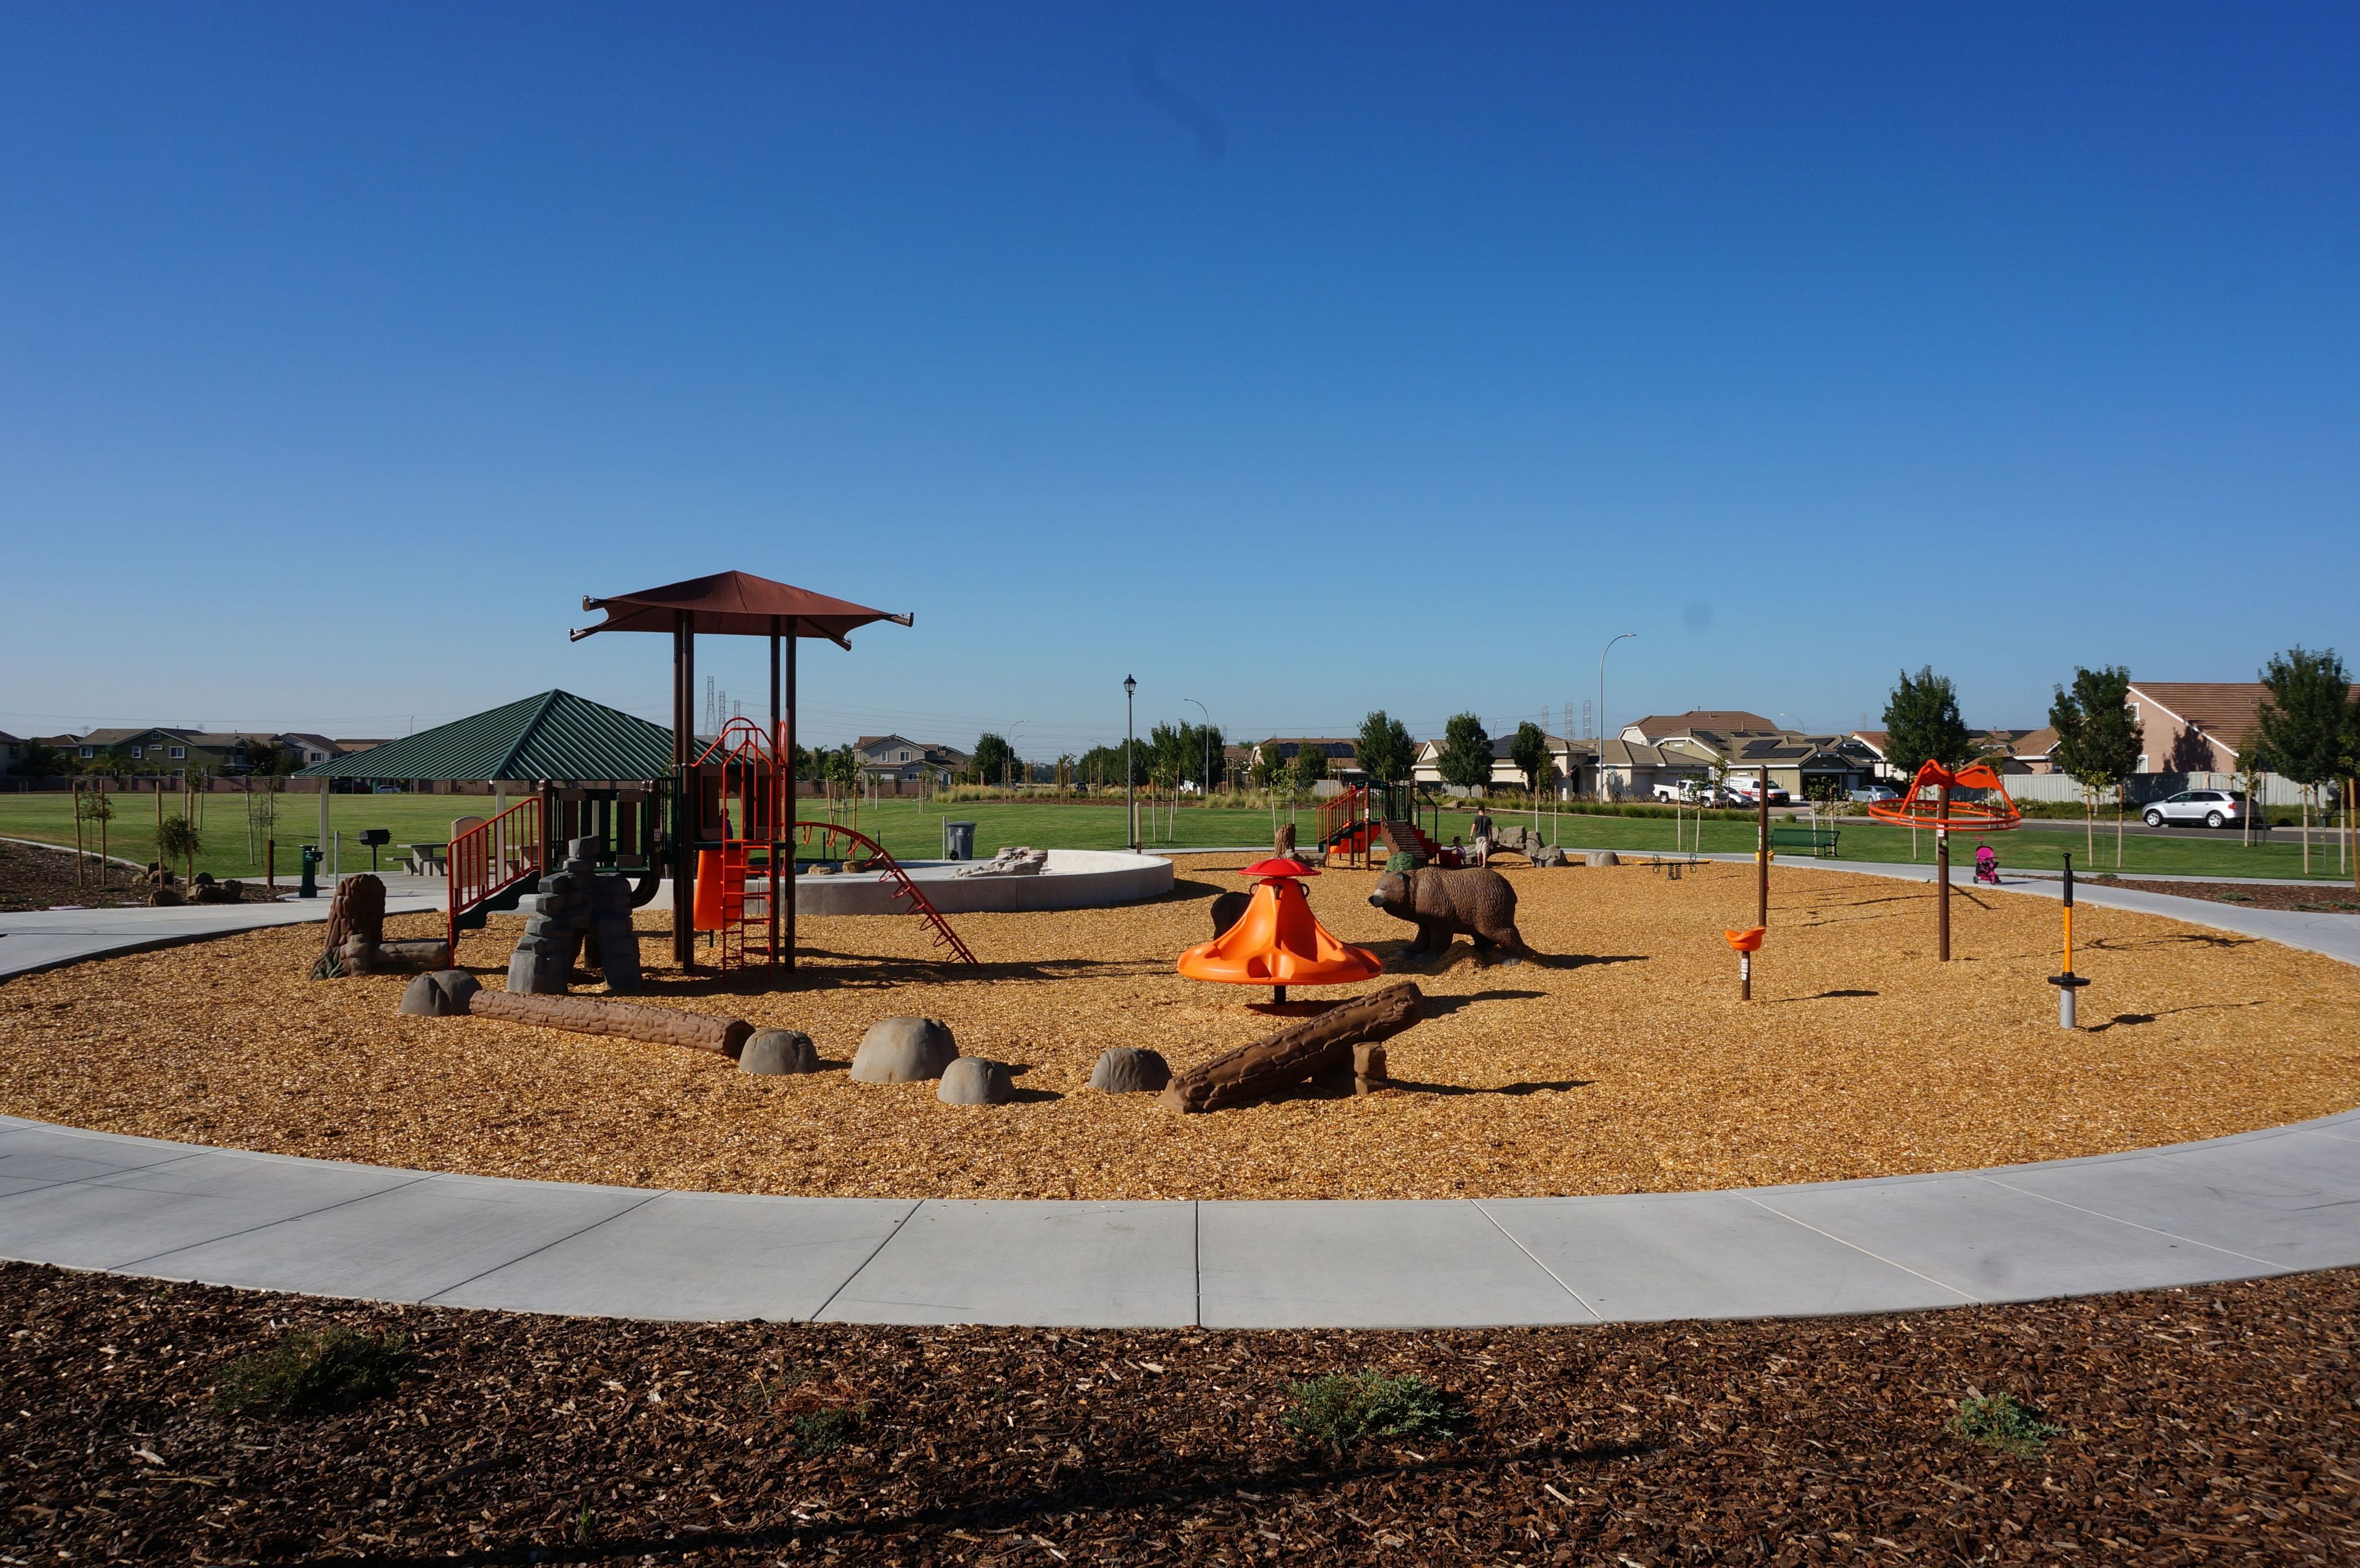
x,y
739,796
1931,801
1353,1030
1278,942
454,992
746,818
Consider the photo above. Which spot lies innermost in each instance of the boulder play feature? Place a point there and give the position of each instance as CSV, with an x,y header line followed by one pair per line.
x,y
903,1051
1475,902
778,1051
356,942
1130,1070
577,913
1319,1045
974,1081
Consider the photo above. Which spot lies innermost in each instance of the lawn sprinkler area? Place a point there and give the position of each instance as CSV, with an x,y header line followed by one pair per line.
x,y
1620,1059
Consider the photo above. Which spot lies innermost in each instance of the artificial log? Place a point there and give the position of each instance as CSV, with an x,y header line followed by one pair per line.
x,y
602,1015
1262,1068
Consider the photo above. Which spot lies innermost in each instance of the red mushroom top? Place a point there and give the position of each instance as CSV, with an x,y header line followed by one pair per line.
x,y
1278,868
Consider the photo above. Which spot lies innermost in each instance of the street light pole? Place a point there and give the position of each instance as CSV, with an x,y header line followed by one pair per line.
x,y
1209,745
1130,773
1601,709
1008,777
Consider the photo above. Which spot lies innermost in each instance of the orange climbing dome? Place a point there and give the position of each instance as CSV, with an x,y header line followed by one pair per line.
x,y
1277,942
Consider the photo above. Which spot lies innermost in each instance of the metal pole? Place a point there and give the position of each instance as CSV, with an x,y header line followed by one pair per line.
x,y
1601,709
1942,875
1129,772
782,802
1762,855
788,935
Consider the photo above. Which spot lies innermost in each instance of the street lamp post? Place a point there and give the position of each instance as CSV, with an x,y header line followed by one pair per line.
x,y
1130,773
1601,709
1008,775
1209,745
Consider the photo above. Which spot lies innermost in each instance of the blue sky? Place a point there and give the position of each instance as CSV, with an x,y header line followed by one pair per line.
x,y
1297,359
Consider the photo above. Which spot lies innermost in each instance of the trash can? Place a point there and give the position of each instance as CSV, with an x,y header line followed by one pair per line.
x,y
958,840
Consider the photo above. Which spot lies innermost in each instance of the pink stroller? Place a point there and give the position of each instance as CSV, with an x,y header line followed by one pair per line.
x,y
1986,864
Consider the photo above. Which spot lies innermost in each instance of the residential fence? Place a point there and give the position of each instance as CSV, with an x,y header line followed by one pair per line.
x,y
2272,789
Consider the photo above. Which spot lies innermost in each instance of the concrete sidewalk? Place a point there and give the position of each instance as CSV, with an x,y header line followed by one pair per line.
x,y
44,939
2266,1203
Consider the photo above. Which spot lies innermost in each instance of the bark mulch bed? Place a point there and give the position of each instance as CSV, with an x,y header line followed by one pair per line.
x,y
2324,899
1623,1064
34,878
2208,1425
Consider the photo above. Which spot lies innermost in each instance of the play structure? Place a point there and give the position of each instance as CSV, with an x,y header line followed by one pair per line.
x,y
739,800
1278,942
1932,801
1365,823
2067,982
733,604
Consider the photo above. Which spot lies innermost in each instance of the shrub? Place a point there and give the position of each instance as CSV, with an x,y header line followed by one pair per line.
x,y
1343,1410
824,1431
2004,1422
312,1372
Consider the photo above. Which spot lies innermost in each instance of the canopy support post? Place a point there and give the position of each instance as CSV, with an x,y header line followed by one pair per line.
x,y
686,806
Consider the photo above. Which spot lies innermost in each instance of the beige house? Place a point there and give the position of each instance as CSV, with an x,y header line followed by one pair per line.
x,y
1575,760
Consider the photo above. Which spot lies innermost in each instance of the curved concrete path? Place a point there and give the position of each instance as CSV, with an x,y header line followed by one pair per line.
x,y
2281,1200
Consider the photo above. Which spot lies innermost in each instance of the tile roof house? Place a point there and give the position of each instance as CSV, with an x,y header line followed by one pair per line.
x,y
1343,756
1654,727
899,757
2197,726
1575,759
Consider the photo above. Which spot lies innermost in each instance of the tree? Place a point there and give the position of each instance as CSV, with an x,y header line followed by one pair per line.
x,y
1268,767
1466,758
1310,766
1530,752
994,758
2306,723
1385,752
177,839
39,762
1921,718
2097,743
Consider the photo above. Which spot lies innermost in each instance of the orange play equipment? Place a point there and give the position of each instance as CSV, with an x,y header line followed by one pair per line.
x,y
1930,803
1277,943
1745,945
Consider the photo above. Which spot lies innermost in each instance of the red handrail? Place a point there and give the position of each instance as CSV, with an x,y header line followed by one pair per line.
x,y
904,887
488,859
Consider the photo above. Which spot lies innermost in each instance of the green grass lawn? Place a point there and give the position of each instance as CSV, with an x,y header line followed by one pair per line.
x,y
2024,850
912,830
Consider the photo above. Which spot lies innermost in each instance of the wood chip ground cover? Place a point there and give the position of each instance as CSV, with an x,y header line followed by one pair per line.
x,y
1623,1063
2212,1425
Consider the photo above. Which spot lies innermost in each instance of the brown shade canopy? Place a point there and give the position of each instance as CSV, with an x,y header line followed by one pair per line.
x,y
733,604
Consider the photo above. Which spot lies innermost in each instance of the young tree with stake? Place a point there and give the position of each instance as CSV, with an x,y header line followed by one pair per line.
x,y
2097,743
2305,723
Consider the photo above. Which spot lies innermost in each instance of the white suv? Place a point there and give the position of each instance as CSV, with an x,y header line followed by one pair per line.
x,y
2213,808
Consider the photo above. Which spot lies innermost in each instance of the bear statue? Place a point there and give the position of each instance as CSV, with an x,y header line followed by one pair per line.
x,y
1443,903
1229,909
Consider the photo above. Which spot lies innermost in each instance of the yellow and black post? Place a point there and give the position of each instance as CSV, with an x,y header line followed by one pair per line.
x,y
2068,982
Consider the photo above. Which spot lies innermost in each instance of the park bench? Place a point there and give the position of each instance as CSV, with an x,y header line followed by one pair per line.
x,y
1821,842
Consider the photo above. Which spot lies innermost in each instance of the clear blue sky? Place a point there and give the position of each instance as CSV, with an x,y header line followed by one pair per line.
x,y
1300,361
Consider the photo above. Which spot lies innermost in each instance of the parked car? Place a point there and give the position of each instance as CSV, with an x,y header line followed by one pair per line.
x,y
1748,792
2213,808
1873,794
1686,792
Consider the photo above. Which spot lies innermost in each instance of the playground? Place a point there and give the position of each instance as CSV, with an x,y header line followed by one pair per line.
x,y
1621,1061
